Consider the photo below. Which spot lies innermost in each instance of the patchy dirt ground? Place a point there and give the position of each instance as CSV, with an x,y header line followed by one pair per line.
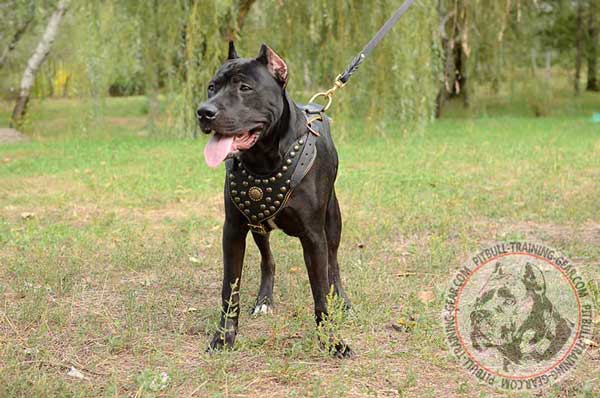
x,y
110,260
11,136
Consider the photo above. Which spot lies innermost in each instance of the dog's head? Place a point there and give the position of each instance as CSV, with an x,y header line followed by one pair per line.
x,y
513,315
245,100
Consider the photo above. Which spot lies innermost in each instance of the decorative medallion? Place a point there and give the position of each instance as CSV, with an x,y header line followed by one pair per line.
x,y
255,193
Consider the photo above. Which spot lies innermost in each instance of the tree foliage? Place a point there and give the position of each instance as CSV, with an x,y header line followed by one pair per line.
x,y
168,50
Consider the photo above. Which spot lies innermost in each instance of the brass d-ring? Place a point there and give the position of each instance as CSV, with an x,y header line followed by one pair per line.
x,y
323,94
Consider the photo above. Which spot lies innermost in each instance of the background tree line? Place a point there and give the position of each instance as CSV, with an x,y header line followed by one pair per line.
x,y
442,49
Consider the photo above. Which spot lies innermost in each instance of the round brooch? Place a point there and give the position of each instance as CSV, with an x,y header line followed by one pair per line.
x,y
255,193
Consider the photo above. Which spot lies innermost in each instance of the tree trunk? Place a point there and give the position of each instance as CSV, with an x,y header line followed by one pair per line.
x,y
592,49
548,65
578,45
15,40
39,55
448,33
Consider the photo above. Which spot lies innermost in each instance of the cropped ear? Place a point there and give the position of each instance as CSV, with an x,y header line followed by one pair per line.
x,y
274,63
232,53
498,269
533,278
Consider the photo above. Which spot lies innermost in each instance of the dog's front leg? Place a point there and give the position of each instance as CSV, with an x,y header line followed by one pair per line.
x,y
314,246
234,247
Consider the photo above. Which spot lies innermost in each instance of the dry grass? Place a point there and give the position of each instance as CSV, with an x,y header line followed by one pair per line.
x,y
116,270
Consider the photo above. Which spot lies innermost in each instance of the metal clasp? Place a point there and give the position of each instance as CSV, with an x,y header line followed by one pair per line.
x,y
329,93
258,228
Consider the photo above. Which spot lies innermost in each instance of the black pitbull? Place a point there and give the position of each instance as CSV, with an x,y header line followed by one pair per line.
x,y
264,137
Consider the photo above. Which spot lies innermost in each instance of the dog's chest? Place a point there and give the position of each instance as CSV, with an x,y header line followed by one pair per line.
x,y
261,197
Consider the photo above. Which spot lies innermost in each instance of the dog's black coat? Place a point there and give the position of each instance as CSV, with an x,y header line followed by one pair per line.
x,y
245,93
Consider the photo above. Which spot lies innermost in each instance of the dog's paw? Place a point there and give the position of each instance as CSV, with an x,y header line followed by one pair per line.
x,y
219,343
261,309
342,350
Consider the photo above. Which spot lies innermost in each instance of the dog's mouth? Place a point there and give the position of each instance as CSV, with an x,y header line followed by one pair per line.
x,y
222,146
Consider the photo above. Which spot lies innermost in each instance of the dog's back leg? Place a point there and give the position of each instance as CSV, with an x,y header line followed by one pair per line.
x,y
333,230
264,300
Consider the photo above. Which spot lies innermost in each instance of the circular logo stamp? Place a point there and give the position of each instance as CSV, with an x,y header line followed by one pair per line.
x,y
518,316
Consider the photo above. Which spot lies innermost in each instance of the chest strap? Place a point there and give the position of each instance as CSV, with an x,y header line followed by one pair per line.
x,y
261,197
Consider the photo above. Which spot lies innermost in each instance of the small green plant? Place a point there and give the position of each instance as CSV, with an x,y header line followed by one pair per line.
x,y
151,381
230,312
328,332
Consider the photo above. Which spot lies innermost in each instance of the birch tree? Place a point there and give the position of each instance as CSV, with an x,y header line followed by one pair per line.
x,y
35,61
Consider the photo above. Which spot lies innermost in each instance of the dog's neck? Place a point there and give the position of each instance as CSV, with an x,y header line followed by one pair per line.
x,y
266,155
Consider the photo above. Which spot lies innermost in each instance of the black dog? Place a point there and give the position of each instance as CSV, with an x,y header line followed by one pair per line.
x,y
281,167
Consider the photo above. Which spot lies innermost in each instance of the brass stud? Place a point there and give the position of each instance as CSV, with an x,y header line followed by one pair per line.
x,y
267,212
241,206
288,181
272,179
279,196
247,211
232,183
265,181
277,203
247,203
283,189
245,183
260,215
296,147
268,200
269,189
262,207
237,199
272,208
279,175
250,178
244,172
284,168
301,142
243,193
253,218
292,154
288,161
231,175
233,192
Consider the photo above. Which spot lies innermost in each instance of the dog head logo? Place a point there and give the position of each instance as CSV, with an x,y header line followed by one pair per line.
x,y
513,315
517,316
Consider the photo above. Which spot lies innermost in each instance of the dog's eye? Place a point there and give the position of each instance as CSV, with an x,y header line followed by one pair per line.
x,y
510,301
211,88
245,87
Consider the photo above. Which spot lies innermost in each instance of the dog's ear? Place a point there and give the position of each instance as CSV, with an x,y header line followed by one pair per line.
x,y
498,269
274,63
533,278
232,53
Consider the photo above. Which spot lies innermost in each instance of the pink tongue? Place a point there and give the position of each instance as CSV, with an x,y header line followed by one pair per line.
x,y
217,149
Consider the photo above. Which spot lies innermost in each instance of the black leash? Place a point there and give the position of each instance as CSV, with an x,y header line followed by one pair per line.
x,y
343,78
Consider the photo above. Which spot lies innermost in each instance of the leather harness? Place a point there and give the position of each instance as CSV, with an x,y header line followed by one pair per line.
x,y
261,197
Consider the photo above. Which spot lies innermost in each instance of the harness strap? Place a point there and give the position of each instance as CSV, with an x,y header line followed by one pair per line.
x,y
261,197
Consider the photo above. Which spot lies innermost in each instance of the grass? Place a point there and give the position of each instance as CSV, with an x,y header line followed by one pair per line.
x,y
110,254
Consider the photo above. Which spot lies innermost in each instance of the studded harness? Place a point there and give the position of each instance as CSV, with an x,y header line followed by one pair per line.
x,y
261,197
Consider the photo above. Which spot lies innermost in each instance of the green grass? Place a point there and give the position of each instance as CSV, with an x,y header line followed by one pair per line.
x,y
118,271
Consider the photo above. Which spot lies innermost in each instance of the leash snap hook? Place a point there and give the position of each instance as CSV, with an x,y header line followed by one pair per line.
x,y
329,93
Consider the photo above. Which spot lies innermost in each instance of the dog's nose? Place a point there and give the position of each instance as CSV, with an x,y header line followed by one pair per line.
x,y
207,112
